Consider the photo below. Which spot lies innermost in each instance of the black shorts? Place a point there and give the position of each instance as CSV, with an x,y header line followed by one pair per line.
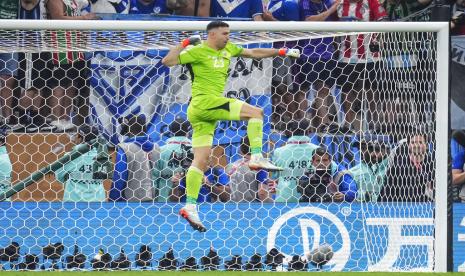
x,y
348,74
309,71
70,75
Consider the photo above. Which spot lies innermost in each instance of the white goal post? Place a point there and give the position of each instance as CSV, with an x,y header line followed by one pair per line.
x,y
317,30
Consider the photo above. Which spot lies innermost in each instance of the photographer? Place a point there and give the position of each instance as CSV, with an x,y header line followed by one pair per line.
x,y
174,157
364,181
248,185
319,182
135,156
81,182
214,186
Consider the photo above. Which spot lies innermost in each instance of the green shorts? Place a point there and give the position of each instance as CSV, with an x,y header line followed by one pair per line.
x,y
203,117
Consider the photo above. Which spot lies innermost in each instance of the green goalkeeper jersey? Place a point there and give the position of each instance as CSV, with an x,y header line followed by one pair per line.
x,y
5,170
209,70
79,181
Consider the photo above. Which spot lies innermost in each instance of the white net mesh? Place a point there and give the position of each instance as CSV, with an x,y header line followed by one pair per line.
x,y
351,121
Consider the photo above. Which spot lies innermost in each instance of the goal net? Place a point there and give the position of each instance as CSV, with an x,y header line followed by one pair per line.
x,y
96,145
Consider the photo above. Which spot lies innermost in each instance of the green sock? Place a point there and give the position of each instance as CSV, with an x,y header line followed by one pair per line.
x,y
194,179
255,133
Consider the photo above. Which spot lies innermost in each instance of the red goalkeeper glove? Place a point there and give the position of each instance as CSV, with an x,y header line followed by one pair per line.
x,y
192,40
292,53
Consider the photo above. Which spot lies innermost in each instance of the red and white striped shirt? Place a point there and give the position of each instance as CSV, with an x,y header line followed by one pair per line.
x,y
356,48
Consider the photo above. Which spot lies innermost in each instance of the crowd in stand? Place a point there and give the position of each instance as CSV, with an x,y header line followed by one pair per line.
x,y
44,91
54,93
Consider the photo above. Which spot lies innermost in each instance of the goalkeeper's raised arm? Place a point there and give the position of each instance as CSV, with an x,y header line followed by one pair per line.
x,y
172,58
270,52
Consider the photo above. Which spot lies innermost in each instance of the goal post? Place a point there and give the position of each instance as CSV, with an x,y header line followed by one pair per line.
x,y
109,47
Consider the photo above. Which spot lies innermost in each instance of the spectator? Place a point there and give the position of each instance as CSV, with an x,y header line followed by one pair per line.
x,y
215,186
6,167
37,70
148,7
28,109
405,61
135,157
109,6
295,158
397,9
247,185
357,55
458,18
363,182
199,8
251,9
32,9
8,70
282,10
285,98
317,63
172,156
78,177
319,182
458,163
70,71
410,176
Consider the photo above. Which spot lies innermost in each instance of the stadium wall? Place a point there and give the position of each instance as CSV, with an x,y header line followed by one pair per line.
x,y
367,237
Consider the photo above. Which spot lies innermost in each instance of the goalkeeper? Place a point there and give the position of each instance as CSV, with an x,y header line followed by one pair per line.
x,y
208,63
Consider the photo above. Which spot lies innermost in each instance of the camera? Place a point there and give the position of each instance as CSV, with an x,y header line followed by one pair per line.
x,y
182,159
132,125
313,186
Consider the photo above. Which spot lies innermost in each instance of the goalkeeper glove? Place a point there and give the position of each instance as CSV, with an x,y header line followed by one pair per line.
x,y
292,53
192,40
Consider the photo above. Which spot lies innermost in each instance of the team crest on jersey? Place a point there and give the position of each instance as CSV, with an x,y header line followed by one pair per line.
x,y
218,62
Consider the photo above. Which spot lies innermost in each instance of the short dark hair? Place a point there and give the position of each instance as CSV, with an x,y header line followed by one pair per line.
x,y
33,89
217,24
180,127
245,145
297,128
133,125
321,151
88,133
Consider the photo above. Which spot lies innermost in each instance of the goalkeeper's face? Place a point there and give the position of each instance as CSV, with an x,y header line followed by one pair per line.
x,y
219,37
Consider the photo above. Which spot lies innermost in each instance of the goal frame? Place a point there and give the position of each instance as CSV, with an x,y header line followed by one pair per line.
x,y
442,74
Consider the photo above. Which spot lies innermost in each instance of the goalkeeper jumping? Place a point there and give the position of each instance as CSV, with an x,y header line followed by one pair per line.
x,y
208,63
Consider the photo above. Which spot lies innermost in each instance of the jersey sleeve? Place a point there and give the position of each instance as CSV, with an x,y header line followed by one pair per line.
x,y
307,8
223,178
458,160
120,177
377,12
348,187
262,176
234,50
188,55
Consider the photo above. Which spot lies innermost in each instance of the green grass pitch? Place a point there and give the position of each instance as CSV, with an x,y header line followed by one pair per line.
x,y
207,273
